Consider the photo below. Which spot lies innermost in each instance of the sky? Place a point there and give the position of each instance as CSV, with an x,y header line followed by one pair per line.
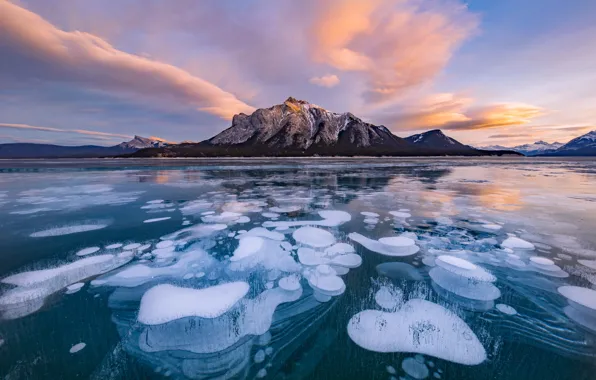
x,y
486,72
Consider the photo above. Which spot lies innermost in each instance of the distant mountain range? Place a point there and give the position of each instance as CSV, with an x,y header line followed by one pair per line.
x,y
584,145
299,128
29,150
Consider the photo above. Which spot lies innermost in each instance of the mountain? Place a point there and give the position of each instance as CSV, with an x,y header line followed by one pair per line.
x,y
299,128
584,145
30,150
539,147
139,142
436,139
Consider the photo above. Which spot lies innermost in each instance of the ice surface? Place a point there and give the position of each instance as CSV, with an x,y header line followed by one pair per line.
x,y
314,237
588,263
399,271
154,220
414,368
386,249
164,303
68,230
87,251
506,309
419,327
517,243
247,246
77,347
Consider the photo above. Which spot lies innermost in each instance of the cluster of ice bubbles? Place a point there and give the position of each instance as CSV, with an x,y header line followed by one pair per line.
x,y
198,292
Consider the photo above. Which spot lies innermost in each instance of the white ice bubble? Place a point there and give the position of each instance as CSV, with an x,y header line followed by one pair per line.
x,y
262,373
517,243
270,215
87,251
395,246
131,247
391,370
314,237
331,218
310,257
542,261
389,298
414,368
74,287
164,303
247,246
285,209
582,298
164,244
289,283
463,286
400,214
464,268
350,260
506,309
492,227
370,214
339,249
331,285
259,356
68,230
262,232
419,327
114,246
77,347
154,220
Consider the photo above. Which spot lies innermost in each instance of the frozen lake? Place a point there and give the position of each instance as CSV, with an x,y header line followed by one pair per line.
x,y
298,269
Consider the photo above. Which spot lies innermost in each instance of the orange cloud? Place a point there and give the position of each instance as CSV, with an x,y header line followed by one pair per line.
x,y
397,45
42,51
454,112
325,81
497,115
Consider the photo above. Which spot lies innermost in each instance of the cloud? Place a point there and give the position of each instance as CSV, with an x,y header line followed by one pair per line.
x,y
509,136
396,45
495,116
58,130
32,48
325,81
32,127
455,112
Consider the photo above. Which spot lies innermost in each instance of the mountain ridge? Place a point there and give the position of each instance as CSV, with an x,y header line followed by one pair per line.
x,y
34,150
299,128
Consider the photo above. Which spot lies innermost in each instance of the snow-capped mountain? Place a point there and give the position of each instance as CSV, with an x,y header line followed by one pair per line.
x,y
139,142
297,125
584,145
539,147
436,139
